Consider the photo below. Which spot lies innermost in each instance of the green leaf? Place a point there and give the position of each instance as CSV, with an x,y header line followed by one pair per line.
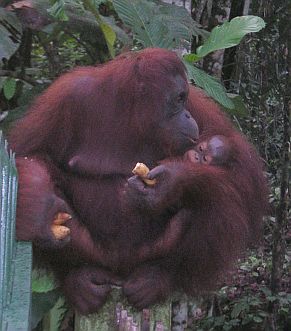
x,y
179,23
246,320
41,304
109,34
58,10
229,34
257,319
156,24
97,2
219,320
211,86
56,314
241,111
10,34
266,291
110,37
191,57
238,308
29,93
9,88
13,115
136,15
42,281
271,298
284,310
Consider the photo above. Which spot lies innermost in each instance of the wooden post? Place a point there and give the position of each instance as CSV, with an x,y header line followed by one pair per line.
x,y
118,315
15,257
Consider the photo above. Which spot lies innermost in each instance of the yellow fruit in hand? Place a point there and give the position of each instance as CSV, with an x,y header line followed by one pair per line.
x,y
142,170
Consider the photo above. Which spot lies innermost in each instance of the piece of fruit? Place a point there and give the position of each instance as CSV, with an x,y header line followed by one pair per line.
x,y
142,170
61,218
60,231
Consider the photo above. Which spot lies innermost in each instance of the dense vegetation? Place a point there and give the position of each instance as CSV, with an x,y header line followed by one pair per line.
x,y
41,39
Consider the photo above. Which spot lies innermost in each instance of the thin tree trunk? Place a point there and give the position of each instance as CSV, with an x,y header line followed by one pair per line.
x,y
283,211
198,7
246,7
219,13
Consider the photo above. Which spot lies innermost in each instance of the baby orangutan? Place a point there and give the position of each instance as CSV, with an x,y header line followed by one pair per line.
x,y
215,151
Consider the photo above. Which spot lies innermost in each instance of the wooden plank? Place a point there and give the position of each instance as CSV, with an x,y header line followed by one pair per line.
x,y
17,313
3,221
15,258
8,193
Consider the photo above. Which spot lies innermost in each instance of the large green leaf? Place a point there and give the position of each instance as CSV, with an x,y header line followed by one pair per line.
x,y
109,34
136,15
157,24
41,304
179,23
9,88
230,33
211,85
110,37
42,281
239,109
56,315
10,34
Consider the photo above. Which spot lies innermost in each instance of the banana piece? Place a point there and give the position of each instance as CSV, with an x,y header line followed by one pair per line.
x,y
59,231
142,170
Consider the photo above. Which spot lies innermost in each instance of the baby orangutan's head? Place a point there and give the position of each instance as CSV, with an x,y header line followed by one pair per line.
x,y
214,151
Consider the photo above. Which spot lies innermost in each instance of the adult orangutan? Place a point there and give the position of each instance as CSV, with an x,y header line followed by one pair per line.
x,y
75,151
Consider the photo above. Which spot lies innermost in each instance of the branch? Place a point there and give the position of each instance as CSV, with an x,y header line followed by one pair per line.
x,y
18,75
279,243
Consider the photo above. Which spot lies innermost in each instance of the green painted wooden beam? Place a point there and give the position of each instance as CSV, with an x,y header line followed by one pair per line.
x,y
17,313
15,257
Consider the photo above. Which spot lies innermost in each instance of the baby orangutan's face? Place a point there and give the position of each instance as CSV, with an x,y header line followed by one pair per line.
x,y
215,151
